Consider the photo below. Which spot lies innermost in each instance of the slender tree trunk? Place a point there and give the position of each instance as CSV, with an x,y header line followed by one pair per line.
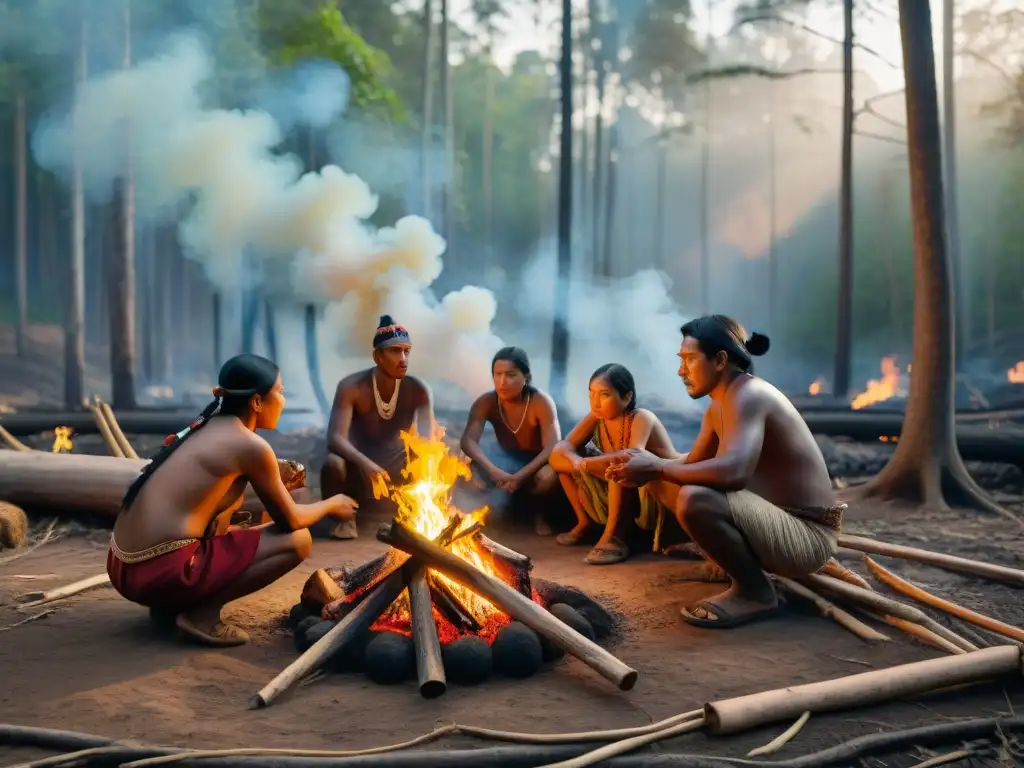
x,y
74,334
426,135
217,310
146,325
705,179
844,300
560,331
488,161
659,205
313,358
448,105
611,187
773,256
927,452
21,220
589,62
961,281
597,186
121,265
46,235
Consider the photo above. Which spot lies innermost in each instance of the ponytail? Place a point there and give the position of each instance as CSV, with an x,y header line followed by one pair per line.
x,y
241,377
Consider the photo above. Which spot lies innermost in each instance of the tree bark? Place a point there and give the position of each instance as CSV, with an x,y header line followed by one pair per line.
x,y
21,219
121,266
428,103
927,451
961,283
488,157
560,330
74,332
600,62
611,186
844,300
448,105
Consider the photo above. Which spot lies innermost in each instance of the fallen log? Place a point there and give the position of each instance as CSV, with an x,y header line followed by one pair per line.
x,y
1002,573
510,601
429,665
914,592
745,712
76,482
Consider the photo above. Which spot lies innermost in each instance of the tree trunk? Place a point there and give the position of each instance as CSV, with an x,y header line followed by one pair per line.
x,y
121,266
218,326
927,451
705,178
608,246
428,104
844,300
560,331
74,332
488,158
313,358
961,281
594,247
269,329
21,219
659,205
773,256
448,105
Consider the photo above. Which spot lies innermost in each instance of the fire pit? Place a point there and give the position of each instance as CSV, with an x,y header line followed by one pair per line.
x,y
445,602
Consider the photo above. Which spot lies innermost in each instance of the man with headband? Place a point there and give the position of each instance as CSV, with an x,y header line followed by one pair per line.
x,y
371,408
753,493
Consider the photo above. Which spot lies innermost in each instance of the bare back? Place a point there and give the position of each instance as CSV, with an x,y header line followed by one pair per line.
x,y
197,483
372,435
790,470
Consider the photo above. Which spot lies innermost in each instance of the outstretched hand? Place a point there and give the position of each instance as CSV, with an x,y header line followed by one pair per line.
x,y
342,507
638,467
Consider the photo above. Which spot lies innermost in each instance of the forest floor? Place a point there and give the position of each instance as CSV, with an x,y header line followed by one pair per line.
x,y
97,664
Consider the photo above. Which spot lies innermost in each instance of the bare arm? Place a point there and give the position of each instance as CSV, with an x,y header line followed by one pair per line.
x,y
705,446
550,434
742,439
566,452
423,418
259,464
339,426
470,442
643,424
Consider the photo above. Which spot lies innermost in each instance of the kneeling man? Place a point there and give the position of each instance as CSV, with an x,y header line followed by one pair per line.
x,y
754,492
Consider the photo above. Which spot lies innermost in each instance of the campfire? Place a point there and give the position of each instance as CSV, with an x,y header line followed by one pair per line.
x,y
445,600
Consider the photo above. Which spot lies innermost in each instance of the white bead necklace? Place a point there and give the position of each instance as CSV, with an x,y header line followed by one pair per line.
x,y
386,410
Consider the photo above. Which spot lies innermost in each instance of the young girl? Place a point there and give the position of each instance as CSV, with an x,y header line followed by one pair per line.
x,y
613,426
165,552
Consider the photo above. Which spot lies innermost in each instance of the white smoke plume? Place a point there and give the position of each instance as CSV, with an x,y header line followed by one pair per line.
x,y
241,199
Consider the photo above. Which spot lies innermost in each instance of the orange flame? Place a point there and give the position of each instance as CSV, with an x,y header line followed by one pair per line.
x,y
1016,374
879,390
425,505
816,386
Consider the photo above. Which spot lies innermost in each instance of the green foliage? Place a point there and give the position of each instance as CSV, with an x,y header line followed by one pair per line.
x,y
322,32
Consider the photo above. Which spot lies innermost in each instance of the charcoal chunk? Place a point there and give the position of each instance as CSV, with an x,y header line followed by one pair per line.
x,y
569,615
389,658
297,613
303,638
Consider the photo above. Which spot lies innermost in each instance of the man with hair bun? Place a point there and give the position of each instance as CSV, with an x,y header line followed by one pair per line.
x,y
753,493
371,409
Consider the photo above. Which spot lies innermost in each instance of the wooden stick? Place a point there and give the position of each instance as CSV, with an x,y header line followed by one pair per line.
x,y
904,587
837,571
830,610
888,607
108,436
13,442
915,630
782,739
945,759
346,630
29,620
601,754
59,593
115,427
511,602
744,712
451,603
429,665
950,562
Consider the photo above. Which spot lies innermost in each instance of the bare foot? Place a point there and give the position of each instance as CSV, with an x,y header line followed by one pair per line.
x,y
210,630
575,536
541,527
729,609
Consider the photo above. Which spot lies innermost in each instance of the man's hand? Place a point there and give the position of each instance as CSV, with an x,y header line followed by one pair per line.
x,y
513,483
342,507
378,478
637,468
501,479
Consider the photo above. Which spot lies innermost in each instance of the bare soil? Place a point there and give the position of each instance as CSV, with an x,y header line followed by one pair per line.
x,y
97,664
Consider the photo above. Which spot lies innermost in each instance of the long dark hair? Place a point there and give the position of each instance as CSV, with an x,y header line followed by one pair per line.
x,y
621,380
240,378
516,356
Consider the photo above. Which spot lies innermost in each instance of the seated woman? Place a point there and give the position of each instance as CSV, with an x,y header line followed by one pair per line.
x,y
613,426
165,551
526,427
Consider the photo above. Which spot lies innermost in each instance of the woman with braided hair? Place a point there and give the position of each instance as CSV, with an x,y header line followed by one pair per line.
x,y
613,427
165,553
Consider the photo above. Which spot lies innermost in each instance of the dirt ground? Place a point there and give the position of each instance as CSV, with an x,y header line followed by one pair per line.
x,y
98,665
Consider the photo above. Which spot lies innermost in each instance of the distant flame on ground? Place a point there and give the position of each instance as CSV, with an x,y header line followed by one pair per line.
x,y
880,390
1016,374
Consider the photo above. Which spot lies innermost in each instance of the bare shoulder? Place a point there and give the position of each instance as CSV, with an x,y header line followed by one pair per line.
x,y
254,449
354,382
545,404
758,395
418,386
646,417
483,406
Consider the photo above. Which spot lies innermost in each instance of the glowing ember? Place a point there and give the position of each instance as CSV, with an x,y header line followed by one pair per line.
x,y
1016,374
816,386
424,505
62,440
879,390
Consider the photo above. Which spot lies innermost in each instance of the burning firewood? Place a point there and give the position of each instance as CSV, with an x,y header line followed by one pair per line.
x,y
451,606
507,599
320,590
